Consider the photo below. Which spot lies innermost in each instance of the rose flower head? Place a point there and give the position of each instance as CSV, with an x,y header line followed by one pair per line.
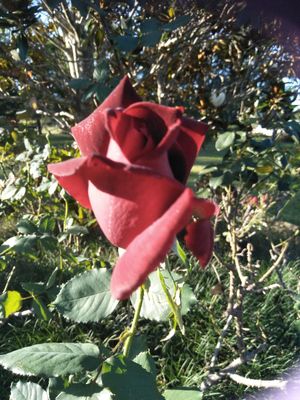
x,y
136,158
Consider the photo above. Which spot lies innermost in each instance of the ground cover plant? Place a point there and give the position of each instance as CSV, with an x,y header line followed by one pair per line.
x,y
222,332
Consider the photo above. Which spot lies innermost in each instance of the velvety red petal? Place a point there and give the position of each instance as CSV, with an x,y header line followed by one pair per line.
x,y
204,208
148,249
145,110
130,133
199,239
126,199
90,134
71,175
162,122
190,139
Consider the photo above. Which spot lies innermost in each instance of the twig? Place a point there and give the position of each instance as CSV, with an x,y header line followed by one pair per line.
x,y
9,279
220,341
276,263
24,313
223,333
259,383
214,378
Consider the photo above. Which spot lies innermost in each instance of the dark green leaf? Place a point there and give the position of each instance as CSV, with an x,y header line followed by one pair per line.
x,y
26,226
150,39
22,46
81,7
77,230
126,43
139,345
262,144
60,140
80,83
47,224
53,3
150,25
128,380
101,72
41,310
145,360
177,23
34,287
291,210
292,128
49,242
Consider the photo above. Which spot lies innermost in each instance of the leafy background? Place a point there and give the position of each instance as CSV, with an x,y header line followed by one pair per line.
x,y
58,61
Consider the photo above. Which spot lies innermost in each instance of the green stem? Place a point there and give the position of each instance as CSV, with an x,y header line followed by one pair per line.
x,y
66,213
133,329
174,307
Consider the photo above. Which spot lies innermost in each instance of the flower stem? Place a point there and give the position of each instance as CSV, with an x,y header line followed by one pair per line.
x,y
132,330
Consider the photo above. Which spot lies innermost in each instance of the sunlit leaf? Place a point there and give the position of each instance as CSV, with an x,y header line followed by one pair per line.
x,y
182,394
52,359
155,304
225,140
27,391
87,297
11,302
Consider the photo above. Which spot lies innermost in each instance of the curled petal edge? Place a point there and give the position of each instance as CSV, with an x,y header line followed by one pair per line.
x,y
153,244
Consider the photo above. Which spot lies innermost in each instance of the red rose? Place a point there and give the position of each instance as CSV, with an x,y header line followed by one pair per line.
x,y
136,158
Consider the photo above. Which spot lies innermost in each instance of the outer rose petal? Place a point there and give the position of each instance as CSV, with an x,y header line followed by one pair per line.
x,y
72,177
190,139
148,249
199,239
90,134
125,199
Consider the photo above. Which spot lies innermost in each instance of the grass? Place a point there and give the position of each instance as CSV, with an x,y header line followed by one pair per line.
x,y
182,361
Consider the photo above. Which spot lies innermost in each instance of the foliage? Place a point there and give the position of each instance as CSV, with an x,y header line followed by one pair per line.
x,y
58,61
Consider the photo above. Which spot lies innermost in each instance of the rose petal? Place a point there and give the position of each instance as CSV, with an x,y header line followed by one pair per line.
x,y
90,134
204,208
148,249
130,134
190,139
71,175
199,239
162,122
125,199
